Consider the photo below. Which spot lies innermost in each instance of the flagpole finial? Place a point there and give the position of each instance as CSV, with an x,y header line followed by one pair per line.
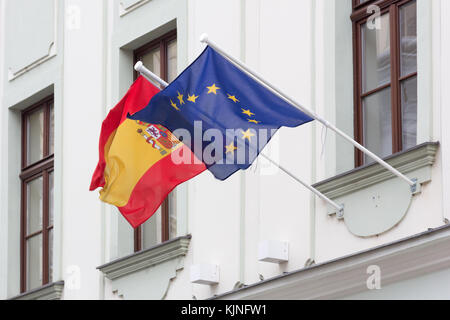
x,y
138,66
204,38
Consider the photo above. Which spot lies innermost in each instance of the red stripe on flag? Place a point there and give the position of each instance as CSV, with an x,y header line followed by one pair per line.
x,y
155,185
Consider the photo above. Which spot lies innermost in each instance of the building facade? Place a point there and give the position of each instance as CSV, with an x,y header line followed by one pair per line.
x,y
378,70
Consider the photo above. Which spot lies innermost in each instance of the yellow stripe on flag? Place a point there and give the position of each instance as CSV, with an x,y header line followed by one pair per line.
x,y
133,152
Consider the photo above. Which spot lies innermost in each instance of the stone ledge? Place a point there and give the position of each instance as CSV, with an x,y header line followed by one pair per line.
x,y
51,291
406,161
158,254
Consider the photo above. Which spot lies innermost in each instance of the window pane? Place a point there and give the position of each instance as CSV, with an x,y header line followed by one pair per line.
x,y
50,256
34,262
34,205
51,144
377,123
50,198
376,54
35,136
172,215
408,38
151,231
409,112
172,61
152,61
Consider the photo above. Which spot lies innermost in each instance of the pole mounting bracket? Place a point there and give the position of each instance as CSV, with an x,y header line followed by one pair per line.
x,y
340,212
415,187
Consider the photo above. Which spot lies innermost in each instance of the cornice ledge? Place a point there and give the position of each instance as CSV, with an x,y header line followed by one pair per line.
x,y
124,10
52,291
160,253
407,161
400,260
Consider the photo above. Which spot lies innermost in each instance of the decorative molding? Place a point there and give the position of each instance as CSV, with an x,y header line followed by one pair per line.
x,y
52,291
407,161
51,53
158,254
374,202
401,260
124,9
136,285
52,50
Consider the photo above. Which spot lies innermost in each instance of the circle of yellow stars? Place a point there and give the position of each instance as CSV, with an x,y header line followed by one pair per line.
x,y
213,89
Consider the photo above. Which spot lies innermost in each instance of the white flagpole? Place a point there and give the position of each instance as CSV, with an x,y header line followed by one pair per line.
x,y
285,97
139,67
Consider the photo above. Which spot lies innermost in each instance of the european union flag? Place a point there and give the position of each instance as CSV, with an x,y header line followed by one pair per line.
x,y
221,113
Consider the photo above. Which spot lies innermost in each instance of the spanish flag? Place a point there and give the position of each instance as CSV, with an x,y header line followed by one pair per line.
x,y
135,165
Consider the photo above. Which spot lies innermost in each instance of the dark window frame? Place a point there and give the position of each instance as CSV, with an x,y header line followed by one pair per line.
x,y
29,172
359,17
161,43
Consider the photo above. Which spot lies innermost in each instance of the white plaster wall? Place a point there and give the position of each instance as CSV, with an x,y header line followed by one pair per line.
x,y
278,208
3,216
433,286
83,101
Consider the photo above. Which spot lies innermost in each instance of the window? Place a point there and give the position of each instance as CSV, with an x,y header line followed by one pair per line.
x,y
160,56
37,195
385,59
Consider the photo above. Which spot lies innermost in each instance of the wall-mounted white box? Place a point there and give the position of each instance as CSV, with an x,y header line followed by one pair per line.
x,y
205,274
273,251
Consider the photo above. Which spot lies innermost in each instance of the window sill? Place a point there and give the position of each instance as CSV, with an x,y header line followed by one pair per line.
x,y
51,291
406,161
158,254
374,199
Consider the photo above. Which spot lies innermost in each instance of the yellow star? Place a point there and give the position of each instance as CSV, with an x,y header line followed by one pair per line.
x,y
247,135
180,97
230,148
254,121
213,89
192,98
232,98
174,105
247,112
